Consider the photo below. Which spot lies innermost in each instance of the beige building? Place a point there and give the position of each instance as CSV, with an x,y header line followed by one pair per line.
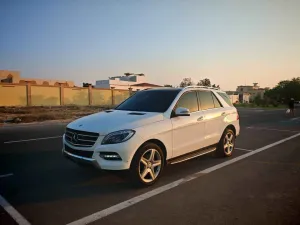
x,y
13,77
235,97
253,91
136,82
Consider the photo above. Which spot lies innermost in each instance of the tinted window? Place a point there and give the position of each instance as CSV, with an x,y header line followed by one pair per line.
x,y
189,101
149,101
226,98
216,101
206,100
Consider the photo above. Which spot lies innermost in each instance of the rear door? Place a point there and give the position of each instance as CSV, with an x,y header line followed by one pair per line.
x,y
213,116
188,131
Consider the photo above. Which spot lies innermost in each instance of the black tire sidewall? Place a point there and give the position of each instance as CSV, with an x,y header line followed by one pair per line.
x,y
134,167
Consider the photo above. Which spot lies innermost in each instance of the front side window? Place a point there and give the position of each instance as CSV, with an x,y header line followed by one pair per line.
x,y
206,100
189,101
149,101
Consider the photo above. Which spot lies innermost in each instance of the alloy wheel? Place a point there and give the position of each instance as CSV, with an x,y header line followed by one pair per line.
x,y
229,143
150,165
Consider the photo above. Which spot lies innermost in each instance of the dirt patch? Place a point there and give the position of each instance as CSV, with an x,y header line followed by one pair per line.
x,y
43,113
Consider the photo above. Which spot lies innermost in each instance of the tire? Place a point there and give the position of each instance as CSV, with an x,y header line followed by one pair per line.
x,y
147,165
227,139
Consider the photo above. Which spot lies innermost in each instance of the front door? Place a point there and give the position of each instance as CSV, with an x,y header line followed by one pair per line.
x,y
188,131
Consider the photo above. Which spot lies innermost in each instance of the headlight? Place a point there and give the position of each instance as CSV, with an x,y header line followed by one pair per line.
x,y
117,137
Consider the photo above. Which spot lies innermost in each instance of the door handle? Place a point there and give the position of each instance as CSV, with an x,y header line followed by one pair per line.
x,y
223,114
200,118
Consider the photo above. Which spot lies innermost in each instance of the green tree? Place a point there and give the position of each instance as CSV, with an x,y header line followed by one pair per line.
x,y
186,82
205,82
285,90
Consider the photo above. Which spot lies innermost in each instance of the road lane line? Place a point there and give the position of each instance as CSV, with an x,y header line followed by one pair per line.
x,y
130,202
296,118
13,212
242,149
263,128
34,139
6,175
208,170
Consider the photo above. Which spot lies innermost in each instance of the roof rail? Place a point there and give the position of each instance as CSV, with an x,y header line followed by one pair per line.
x,y
214,88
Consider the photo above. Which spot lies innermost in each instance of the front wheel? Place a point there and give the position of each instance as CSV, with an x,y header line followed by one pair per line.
x,y
226,144
147,165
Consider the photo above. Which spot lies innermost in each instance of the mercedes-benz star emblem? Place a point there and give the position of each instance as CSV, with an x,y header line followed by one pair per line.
x,y
75,138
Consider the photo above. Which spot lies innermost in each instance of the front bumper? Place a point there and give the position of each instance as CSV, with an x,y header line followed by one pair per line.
x,y
125,150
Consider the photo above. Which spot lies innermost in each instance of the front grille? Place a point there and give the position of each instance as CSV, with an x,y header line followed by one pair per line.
x,y
86,154
81,138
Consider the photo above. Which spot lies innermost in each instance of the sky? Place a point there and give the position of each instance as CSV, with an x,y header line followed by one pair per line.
x,y
231,42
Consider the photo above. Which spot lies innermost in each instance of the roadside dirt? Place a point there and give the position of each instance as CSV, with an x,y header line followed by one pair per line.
x,y
44,113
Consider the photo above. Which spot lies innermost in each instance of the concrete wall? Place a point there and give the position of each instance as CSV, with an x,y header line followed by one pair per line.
x,y
234,98
48,96
101,97
76,96
13,95
120,96
39,95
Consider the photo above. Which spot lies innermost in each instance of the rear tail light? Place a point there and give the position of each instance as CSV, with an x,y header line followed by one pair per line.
x,y
237,116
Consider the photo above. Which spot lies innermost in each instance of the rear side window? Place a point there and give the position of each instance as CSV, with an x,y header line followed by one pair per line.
x,y
206,100
226,98
188,100
216,101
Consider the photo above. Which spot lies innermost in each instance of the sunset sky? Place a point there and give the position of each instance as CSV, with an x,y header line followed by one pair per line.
x,y
230,42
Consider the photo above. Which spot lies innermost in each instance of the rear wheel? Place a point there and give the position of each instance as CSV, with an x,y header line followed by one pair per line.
x,y
226,144
147,165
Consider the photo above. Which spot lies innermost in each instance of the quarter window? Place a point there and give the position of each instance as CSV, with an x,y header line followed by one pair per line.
x,y
216,101
226,98
188,100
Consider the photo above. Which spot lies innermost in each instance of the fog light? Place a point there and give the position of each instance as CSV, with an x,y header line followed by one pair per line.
x,y
110,156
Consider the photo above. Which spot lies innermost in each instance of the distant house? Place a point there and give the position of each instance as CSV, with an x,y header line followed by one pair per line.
x,y
253,91
236,97
13,77
134,81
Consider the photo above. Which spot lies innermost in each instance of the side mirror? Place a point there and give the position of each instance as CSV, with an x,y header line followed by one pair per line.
x,y
180,111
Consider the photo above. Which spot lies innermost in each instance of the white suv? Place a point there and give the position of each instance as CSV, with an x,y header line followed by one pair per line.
x,y
153,128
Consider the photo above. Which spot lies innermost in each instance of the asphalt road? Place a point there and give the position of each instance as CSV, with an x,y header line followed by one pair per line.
x,y
263,188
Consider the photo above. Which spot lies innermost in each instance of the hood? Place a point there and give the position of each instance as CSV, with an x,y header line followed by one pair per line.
x,y
113,120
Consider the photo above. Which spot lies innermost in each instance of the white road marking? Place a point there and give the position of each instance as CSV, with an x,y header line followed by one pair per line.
x,y
35,139
115,208
6,175
242,149
13,212
263,128
296,118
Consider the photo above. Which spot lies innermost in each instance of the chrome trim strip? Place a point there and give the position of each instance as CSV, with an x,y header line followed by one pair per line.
x,y
78,132
79,145
79,157
194,156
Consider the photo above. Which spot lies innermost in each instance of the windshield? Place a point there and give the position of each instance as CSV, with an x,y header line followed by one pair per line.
x,y
150,101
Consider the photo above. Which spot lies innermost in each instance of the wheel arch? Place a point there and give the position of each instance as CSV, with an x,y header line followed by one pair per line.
x,y
159,143
231,127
